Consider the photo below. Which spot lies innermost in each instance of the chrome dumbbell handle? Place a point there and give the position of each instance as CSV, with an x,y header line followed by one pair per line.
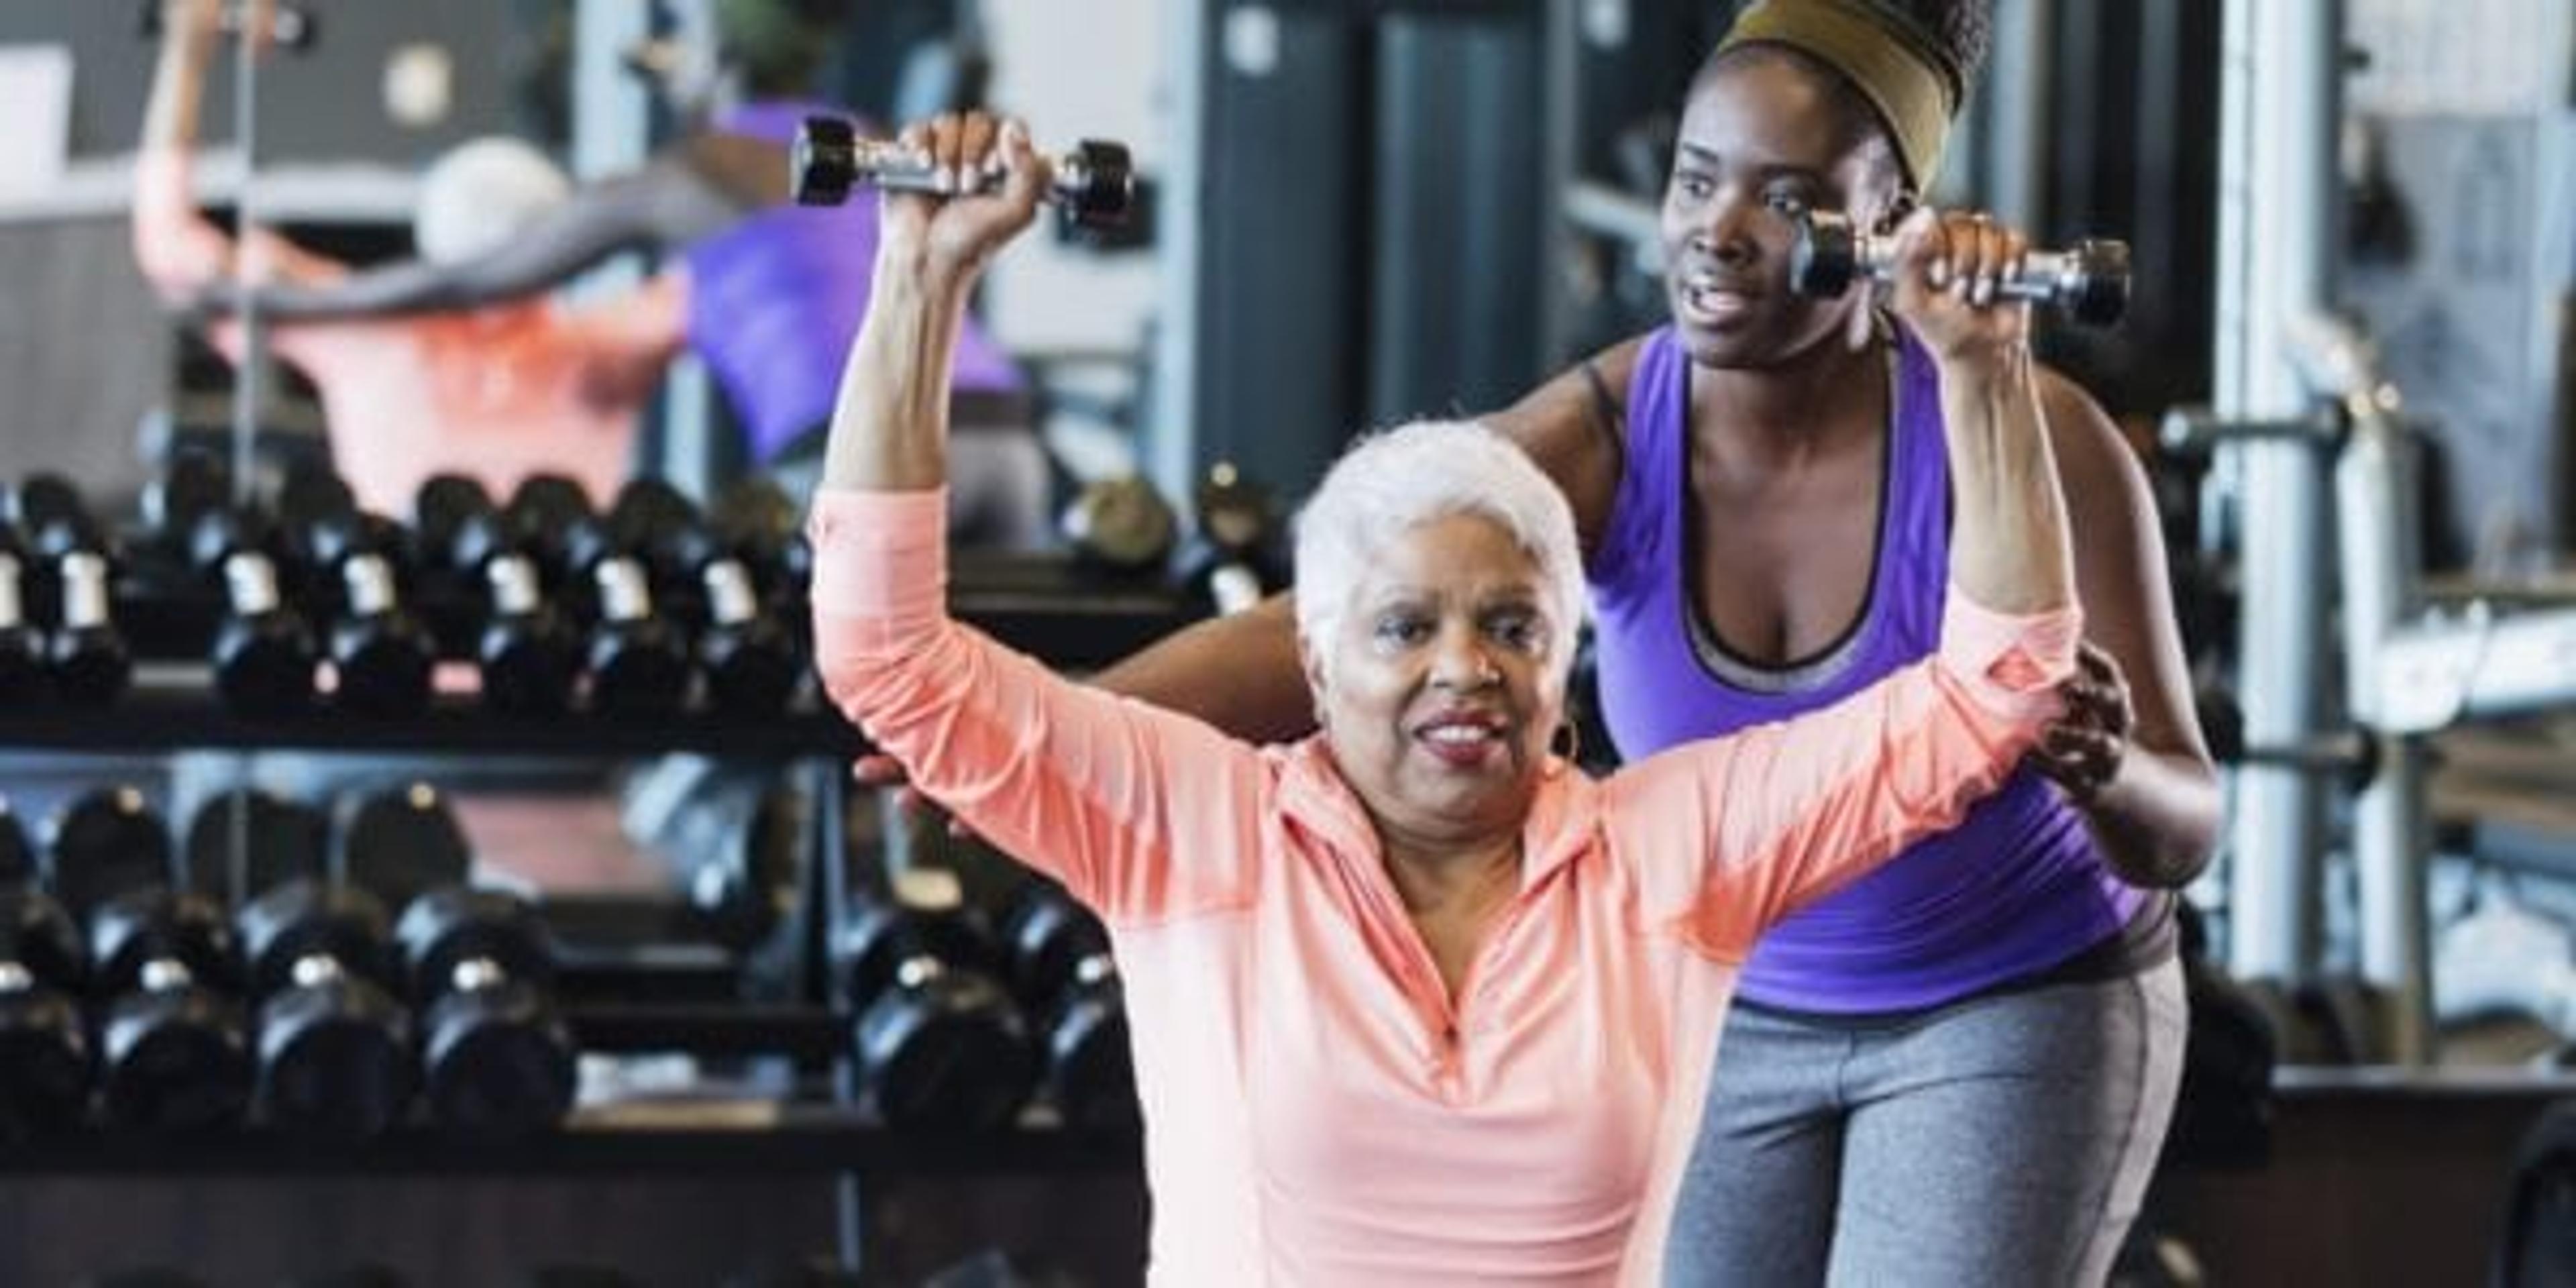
x,y
2089,282
1094,184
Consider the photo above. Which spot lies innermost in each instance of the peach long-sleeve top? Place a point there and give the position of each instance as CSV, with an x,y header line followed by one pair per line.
x,y
494,393
1318,1109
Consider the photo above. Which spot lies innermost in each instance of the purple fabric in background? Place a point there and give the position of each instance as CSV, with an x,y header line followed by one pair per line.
x,y
775,300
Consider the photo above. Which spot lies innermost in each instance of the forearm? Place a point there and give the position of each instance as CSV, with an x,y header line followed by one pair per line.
x,y
174,245
2157,822
2008,543
890,426
1239,672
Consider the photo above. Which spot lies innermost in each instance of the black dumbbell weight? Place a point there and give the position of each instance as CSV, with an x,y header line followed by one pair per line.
x,y
246,840
1094,185
2089,284
172,1051
749,657
541,515
380,653
22,645
756,519
335,1047
1068,981
44,1047
938,1042
496,1055
1234,562
86,658
639,666
104,843
400,842
263,654
529,656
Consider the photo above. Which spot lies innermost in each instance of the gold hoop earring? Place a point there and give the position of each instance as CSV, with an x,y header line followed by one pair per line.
x,y
1566,743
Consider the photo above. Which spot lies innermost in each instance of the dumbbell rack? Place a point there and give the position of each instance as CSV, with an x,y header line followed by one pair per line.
x,y
172,707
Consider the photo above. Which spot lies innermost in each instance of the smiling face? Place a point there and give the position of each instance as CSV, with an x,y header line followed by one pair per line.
x,y
1442,681
1765,137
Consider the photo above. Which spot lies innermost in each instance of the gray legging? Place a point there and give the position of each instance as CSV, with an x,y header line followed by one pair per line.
x,y
2002,1140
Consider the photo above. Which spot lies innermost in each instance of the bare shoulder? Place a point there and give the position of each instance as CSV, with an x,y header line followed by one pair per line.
x,y
2096,463
1575,427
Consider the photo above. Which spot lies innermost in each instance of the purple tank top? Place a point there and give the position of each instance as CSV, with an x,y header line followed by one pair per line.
x,y
775,300
2015,889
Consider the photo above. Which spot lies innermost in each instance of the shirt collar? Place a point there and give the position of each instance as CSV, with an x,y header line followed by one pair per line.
x,y
1563,821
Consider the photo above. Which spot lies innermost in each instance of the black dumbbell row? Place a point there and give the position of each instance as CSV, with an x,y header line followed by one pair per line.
x,y
956,1026
131,927
561,605
543,591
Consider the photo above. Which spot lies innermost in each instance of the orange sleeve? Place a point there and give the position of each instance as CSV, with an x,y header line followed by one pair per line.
x,y
1142,813
1730,834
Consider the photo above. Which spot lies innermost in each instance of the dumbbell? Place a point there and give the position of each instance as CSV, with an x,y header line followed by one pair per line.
x,y
246,840
335,1053
44,1047
2089,284
172,1054
1067,979
541,514
529,657
478,965
638,664
937,1041
1232,564
381,653
22,645
496,1056
293,26
750,660
1092,186
263,653
756,518
86,657
1121,527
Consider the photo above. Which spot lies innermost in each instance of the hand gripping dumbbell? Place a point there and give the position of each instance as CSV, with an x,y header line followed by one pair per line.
x,y
173,1053
1092,186
938,1042
1233,562
1067,980
335,1053
496,1056
750,660
44,1047
86,657
2089,284
529,657
263,654
380,652
639,666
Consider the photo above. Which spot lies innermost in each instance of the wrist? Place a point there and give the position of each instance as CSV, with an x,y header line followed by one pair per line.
x,y
921,272
1985,371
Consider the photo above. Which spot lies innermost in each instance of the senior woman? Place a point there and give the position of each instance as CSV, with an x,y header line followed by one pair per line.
x,y
1413,1000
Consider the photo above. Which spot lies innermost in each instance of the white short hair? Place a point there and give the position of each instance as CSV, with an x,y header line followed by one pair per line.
x,y
480,194
1402,478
